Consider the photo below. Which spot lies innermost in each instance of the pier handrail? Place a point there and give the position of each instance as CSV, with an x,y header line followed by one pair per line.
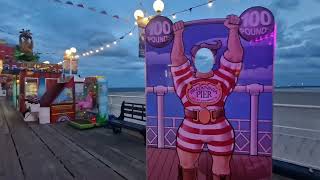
x,y
121,96
297,106
274,104
296,128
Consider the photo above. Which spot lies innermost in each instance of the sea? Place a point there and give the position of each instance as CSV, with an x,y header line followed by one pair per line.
x,y
302,95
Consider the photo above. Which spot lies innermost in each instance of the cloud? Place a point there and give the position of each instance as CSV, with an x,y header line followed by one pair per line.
x,y
286,4
300,39
100,38
308,49
56,27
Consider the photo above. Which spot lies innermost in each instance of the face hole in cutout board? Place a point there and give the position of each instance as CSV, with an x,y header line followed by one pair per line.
x,y
204,60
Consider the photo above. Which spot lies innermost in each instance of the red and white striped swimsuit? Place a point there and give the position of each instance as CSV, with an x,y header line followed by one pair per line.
x,y
218,135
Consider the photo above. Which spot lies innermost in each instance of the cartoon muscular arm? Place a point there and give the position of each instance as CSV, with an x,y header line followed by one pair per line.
x,y
181,68
177,55
231,61
234,53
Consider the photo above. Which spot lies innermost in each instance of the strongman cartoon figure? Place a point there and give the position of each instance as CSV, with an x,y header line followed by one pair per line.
x,y
203,96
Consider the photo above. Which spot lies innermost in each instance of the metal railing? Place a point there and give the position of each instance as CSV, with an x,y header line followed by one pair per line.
x,y
282,133
115,101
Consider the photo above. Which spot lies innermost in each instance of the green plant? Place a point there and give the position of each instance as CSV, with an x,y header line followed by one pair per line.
x,y
30,57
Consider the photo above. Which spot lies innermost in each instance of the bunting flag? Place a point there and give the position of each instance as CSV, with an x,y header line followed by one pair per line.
x,y
69,2
108,45
104,12
80,5
92,9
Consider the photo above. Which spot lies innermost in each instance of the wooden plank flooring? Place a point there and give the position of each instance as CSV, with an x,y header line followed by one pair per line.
x,y
60,152
9,162
115,150
243,166
35,159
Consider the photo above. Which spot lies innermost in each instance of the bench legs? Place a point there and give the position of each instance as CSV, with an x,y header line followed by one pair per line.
x,y
116,130
143,133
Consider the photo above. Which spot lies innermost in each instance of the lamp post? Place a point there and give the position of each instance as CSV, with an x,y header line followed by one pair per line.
x,y
1,65
70,55
73,52
141,20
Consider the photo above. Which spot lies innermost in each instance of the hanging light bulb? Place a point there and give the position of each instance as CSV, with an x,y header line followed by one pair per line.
x,y
174,16
210,3
107,45
158,6
91,52
130,33
68,52
73,50
101,48
114,42
97,50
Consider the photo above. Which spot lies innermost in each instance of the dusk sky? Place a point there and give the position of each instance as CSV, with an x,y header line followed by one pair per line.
x,y
56,27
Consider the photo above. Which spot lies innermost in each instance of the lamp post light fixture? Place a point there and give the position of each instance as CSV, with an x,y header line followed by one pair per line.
x,y
70,54
138,14
141,21
158,6
73,50
210,3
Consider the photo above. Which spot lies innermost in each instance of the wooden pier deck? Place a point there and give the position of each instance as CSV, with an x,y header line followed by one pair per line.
x,y
163,164
59,152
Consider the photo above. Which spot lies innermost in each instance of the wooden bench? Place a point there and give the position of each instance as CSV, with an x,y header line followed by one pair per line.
x,y
133,111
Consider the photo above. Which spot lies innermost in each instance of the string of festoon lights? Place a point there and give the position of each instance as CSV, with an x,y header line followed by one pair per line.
x,y
158,6
108,45
209,3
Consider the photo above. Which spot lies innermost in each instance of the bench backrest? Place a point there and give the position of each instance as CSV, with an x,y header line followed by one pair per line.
x,y
133,111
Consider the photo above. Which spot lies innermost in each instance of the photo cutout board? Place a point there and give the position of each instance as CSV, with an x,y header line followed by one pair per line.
x,y
215,124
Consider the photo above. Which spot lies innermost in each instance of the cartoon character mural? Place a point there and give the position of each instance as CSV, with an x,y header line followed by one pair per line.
x,y
203,96
210,125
